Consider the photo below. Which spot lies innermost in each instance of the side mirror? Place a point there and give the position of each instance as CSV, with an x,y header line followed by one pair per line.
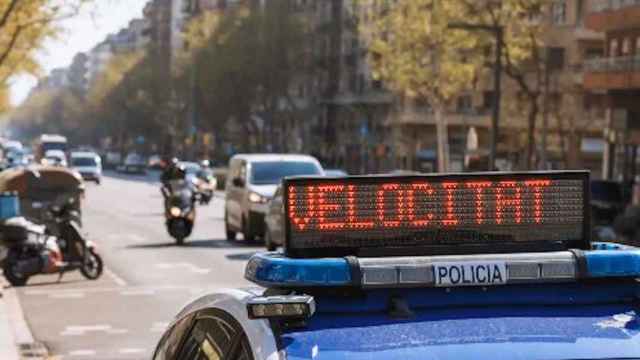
x,y
238,182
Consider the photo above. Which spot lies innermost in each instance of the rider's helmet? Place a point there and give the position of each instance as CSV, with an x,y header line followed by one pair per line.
x,y
181,170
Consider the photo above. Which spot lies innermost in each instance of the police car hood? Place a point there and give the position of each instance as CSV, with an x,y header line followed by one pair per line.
x,y
516,332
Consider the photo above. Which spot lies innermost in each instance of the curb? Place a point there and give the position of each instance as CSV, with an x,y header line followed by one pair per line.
x,y
8,344
16,339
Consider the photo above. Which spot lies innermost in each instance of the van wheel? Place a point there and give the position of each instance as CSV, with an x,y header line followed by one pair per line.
x,y
268,242
248,236
231,235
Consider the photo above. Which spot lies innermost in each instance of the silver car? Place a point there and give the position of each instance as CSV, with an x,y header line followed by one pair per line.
x,y
251,184
274,233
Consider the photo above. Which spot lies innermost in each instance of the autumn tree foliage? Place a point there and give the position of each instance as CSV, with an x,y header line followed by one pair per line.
x,y
415,52
24,27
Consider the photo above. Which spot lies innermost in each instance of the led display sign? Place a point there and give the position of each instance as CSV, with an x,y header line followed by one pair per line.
x,y
456,214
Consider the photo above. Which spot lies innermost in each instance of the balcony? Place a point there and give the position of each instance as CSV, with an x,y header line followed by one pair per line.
x,y
618,73
425,116
608,15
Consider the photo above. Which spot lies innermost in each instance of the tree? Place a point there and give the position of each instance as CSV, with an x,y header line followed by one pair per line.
x,y
124,98
524,56
246,61
413,50
24,27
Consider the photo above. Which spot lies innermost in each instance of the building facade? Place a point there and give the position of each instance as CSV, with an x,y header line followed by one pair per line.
x,y
616,75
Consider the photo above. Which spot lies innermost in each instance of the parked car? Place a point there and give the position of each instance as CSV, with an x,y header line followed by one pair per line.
x,y
251,183
88,164
274,220
134,164
112,160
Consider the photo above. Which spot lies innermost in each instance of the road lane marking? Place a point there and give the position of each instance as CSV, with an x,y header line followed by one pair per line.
x,y
117,279
187,266
36,292
82,353
131,351
80,330
70,295
88,327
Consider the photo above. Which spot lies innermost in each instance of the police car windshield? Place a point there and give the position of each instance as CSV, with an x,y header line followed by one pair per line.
x,y
272,172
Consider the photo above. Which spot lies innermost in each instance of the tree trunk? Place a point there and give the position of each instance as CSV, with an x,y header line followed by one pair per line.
x,y
531,132
443,139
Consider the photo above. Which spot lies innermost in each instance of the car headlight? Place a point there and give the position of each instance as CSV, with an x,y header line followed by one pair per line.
x,y
175,211
257,198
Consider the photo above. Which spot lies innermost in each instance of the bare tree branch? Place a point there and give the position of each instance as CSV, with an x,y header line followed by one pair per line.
x,y
7,13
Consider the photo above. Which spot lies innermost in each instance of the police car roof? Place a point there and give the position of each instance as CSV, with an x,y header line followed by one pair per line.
x,y
504,332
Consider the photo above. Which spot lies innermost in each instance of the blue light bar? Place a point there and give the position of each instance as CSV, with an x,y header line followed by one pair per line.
x,y
613,263
607,260
274,270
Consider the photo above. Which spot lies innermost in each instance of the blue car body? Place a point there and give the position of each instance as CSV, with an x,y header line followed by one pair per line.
x,y
605,331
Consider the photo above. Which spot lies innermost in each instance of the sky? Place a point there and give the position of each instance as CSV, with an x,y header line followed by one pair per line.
x,y
80,33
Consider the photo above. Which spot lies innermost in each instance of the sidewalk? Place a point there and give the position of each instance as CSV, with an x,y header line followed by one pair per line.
x,y
8,344
16,340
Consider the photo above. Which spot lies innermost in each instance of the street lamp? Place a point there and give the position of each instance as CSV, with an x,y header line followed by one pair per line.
x,y
497,73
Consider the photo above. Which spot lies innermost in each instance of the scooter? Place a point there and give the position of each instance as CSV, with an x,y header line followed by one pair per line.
x,y
56,248
180,209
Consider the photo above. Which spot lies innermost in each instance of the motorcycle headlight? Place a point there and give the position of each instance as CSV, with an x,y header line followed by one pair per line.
x,y
175,211
257,198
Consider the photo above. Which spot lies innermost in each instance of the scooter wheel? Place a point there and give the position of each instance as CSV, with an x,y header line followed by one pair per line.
x,y
93,266
12,277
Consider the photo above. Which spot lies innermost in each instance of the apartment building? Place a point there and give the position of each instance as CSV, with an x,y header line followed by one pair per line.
x,y
616,75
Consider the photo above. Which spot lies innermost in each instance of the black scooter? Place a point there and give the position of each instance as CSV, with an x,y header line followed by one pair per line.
x,y
57,247
180,209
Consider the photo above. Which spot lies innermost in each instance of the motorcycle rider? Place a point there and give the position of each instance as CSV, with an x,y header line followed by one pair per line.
x,y
172,171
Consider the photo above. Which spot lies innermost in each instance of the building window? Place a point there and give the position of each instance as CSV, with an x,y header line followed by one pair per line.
x,y
559,12
626,46
593,53
613,48
464,104
487,99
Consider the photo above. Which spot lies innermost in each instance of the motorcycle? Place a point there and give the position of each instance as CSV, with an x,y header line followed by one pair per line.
x,y
206,185
57,247
180,210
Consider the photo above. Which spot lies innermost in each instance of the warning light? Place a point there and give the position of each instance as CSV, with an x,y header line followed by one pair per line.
x,y
462,211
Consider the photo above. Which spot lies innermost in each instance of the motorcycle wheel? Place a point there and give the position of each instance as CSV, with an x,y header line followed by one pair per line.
x,y
93,266
12,277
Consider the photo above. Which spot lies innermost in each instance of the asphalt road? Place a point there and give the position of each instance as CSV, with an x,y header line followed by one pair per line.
x,y
146,281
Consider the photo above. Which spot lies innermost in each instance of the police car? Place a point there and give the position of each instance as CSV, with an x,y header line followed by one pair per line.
x,y
468,266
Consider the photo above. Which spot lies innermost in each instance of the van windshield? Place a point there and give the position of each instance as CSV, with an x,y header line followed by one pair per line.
x,y
272,172
83,161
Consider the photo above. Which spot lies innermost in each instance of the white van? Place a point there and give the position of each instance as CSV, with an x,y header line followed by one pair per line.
x,y
251,183
88,164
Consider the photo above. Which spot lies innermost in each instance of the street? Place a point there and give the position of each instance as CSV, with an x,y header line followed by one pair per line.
x,y
147,278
